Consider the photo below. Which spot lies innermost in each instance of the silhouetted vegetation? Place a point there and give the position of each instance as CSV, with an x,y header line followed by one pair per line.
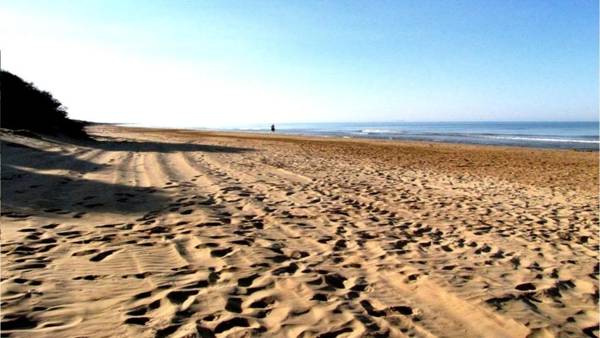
x,y
23,106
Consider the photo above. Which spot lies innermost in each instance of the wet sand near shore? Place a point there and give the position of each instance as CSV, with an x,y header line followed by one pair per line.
x,y
169,233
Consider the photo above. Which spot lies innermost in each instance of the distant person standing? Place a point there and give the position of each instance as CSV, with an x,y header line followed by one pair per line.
x,y
272,128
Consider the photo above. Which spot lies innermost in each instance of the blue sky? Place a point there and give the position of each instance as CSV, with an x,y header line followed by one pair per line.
x,y
219,63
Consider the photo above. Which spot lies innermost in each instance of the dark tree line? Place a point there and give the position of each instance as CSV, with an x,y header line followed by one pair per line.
x,y
23,106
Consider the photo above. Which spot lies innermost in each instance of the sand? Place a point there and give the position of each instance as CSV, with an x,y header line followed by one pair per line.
x,y
156,233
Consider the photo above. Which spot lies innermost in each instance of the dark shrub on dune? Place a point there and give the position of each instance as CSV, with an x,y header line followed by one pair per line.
x,y
23,106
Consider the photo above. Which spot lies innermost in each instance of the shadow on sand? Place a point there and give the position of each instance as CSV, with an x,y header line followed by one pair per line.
x,y
28,191
115,144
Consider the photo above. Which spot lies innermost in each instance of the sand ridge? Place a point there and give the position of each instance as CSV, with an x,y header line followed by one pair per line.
x,y
154,233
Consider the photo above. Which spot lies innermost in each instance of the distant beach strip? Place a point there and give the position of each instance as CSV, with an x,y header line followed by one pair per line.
x,y
582,135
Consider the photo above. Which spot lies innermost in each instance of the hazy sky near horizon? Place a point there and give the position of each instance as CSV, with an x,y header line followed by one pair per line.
x,y
227,63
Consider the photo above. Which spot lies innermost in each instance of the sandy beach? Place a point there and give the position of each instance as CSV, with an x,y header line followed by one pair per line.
x,y
173,233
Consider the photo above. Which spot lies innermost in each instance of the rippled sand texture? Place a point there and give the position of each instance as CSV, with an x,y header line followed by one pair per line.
x,y
150,233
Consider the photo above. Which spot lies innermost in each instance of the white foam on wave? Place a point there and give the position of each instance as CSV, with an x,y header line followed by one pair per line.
x,y
379,131
540,139
474,135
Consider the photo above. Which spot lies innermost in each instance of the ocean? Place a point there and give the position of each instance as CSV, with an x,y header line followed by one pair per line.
x,y
566,135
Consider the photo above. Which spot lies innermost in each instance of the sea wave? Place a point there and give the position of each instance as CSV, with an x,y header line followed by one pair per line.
x,y
540,139
589,139
379,131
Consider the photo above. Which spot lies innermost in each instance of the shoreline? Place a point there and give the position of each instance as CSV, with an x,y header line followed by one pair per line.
x,y
531,144
509,163
516,141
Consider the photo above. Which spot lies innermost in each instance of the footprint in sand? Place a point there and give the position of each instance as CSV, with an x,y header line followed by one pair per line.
x,y
101,256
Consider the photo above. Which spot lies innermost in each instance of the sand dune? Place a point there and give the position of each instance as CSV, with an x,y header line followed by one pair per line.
x,y
151,233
